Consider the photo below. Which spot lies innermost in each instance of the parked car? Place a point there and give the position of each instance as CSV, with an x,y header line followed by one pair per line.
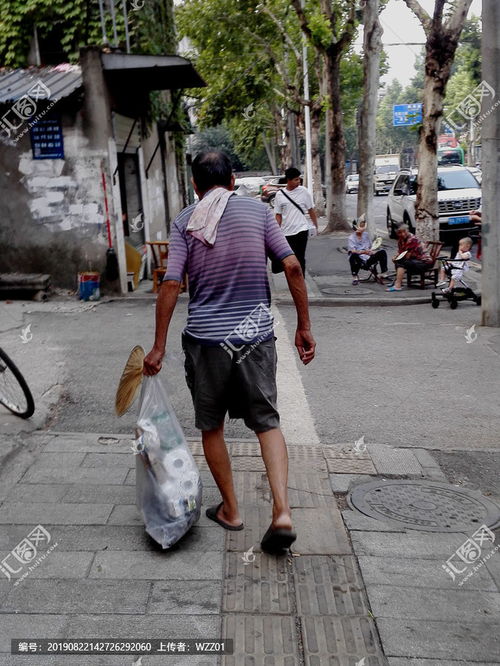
x,y
352,183
458,194
477,173
249,185
269,189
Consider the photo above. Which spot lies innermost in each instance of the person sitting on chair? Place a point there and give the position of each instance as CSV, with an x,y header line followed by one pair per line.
x,y
411,254
458,265
361,254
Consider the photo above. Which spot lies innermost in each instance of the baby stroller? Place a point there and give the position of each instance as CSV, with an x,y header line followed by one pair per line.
x,y
461,291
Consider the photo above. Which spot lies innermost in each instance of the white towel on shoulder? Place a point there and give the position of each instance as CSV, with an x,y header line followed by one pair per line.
x,y
205,219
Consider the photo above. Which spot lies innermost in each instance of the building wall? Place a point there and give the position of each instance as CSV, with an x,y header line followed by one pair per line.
x,y
52,211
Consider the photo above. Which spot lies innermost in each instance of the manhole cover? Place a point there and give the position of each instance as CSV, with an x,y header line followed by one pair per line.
x,y
424,505
339,291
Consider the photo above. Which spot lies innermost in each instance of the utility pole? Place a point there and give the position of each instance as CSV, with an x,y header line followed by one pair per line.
x,y
490,132
307,119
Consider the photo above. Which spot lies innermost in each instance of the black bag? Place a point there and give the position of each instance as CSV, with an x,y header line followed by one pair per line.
x,y
277,266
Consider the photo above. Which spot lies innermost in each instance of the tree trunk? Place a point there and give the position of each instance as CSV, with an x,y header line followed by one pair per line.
x,y
319,202
271,155
336,143
372,46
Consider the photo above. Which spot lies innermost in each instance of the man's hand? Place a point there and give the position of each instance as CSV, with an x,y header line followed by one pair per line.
x,y
153,362
306,346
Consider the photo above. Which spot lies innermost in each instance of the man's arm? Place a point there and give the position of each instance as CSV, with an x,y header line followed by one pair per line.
x,y
313,216
304,341
165,305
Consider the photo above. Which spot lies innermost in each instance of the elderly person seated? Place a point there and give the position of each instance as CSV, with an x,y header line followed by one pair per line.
x,y
361,254
411,254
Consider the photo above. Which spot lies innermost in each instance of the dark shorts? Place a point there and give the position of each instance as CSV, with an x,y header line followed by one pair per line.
x,y
414,265
242,384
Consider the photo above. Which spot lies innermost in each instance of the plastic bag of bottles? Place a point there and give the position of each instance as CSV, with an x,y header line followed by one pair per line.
x,y
168,484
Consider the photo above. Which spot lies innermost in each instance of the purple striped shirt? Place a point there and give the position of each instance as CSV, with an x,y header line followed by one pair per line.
x,y
229,294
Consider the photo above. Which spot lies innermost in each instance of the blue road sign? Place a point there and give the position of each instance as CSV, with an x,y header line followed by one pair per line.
x,y
405,115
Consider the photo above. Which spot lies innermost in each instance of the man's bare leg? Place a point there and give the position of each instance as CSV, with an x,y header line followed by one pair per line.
x,y
219,463
275,456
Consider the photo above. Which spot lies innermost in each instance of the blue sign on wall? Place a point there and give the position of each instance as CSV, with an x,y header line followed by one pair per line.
x,y
405,115
47,139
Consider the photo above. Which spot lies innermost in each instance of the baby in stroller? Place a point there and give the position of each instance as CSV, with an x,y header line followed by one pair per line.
x,y
456,267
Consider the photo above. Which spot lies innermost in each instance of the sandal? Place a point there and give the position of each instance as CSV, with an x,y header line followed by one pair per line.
x,y
355,280
393,288
211,513
277,541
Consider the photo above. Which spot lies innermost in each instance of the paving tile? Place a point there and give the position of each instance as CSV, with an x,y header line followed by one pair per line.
x,y
341,483
185,597
157,565
245,449
87,442
247,464
355,520
86,493
493,566
33,492
256,519
397,661
57,564
60,461
252,488
309,490
125,514
256,583
394,461
473,641
340,640
107,459
108,660
328,586
424,573
13,625
54,514
112,475
78,596
344,451
129,477
420,545
320,531
418,603
261,640
350,466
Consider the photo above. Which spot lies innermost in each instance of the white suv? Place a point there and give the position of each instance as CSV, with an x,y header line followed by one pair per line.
x,y
458,194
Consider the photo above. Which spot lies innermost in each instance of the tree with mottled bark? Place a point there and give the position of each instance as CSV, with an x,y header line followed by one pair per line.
x,y
442,32
372,48
330,28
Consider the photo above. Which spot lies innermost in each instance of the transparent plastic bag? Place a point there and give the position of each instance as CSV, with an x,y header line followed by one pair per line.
x,y
168,484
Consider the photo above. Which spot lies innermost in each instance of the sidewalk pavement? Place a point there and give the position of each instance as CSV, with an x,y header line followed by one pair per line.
x,y
355,592
329,280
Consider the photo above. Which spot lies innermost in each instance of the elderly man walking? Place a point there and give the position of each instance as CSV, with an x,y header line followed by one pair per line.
x,y
223,243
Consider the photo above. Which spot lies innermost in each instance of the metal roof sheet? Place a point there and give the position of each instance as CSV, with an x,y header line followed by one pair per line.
x,y
61,80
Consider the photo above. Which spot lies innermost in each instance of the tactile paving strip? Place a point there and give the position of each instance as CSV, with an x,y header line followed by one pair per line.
x,y
350,466
424,505
345,451
263,640
329,586
341,641
308,490
255,583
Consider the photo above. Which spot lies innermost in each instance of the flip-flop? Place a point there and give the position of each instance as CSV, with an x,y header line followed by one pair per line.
x,y
211,513
277,541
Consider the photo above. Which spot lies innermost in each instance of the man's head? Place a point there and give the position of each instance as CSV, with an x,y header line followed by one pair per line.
x,y
292,176
210,169
361,227
402,231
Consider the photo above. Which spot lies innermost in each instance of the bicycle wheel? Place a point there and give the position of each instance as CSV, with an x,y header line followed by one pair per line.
x,y
14,391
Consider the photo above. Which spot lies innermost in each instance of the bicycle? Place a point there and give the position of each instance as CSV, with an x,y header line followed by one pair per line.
x,y
14,391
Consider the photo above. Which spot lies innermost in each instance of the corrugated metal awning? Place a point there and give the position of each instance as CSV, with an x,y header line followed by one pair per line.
x,y
149,72
59,80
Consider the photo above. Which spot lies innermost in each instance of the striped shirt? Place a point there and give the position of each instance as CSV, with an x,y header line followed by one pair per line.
x,y
229,294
